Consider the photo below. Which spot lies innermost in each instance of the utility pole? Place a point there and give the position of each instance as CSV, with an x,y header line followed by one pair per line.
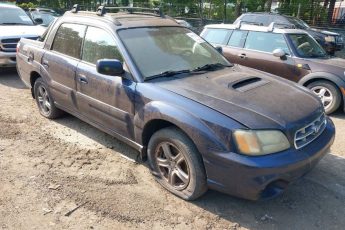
x,y
224,20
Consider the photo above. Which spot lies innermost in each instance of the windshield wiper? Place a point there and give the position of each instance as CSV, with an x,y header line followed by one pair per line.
x,y
168,73
213,66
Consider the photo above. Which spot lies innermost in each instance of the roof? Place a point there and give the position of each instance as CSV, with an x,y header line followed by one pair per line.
x,y
256,28
126,19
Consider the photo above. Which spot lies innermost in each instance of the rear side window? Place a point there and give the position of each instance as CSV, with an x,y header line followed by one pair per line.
x,y
238,38
99,44
217,36
68,39
266,42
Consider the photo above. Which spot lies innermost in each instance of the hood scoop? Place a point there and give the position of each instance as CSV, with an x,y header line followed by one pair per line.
x,y
247,84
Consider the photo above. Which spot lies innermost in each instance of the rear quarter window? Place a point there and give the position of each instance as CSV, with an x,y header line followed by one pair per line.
x,y
217,36
68,39
238,38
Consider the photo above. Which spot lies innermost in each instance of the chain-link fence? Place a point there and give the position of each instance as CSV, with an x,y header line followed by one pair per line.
x,y
200,12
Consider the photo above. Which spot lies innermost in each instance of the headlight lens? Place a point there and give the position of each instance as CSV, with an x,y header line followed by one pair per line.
x,y
330,39
260,142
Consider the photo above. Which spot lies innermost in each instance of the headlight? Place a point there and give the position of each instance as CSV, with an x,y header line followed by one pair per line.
x,y
330,39
260,142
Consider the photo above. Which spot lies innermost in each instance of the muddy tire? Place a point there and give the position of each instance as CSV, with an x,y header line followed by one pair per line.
x,y
177,164
328,93
44,100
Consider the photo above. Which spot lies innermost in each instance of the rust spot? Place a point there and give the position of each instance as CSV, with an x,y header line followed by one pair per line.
x,y
342,90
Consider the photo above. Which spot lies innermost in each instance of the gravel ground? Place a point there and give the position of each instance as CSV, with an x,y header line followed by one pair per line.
x,y
48,168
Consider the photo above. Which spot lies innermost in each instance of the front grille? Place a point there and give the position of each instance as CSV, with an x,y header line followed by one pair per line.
x,y
10,44
310,132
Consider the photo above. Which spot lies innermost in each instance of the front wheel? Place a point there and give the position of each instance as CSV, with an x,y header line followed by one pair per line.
x,y
177,164
328,93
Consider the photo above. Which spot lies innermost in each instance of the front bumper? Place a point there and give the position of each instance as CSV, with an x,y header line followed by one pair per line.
x,y
7,59
267,176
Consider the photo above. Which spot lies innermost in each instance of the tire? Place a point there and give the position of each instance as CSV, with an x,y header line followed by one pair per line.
x,y
328,93
184,158
43,99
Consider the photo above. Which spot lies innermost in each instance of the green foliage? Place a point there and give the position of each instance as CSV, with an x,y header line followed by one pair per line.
x,y
311,11
27,5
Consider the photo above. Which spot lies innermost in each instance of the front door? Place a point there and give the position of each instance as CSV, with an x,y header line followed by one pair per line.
x,y
104,100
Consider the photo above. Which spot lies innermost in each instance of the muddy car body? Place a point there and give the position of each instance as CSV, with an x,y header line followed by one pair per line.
x,y
172,96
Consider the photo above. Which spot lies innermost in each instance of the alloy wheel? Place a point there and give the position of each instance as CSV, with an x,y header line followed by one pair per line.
x,y
324,94
172,165
43,100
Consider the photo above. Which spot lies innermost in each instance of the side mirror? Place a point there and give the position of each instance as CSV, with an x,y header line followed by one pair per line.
x,y
38,21
219,49
279,53
111,67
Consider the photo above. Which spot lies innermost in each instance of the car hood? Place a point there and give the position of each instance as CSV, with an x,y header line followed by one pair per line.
x,y
250,97
324,32
21,31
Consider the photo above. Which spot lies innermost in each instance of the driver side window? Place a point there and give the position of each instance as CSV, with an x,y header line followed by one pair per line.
x,y
99,44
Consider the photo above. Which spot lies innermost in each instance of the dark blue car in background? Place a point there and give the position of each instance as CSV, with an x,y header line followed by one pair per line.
x,y
201,121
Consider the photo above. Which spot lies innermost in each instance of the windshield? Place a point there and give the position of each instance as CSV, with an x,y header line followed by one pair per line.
x,y
161,49
47,18
14,16
306,46
298,23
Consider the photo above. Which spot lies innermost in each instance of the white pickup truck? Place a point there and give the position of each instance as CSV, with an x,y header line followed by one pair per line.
x,y
14,25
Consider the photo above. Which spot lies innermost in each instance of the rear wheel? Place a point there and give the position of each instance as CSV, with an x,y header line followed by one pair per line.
x,y
44,100
177,164
328,93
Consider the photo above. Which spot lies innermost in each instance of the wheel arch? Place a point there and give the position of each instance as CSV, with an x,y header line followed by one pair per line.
x,y
322,76
33,77
158,115
328,77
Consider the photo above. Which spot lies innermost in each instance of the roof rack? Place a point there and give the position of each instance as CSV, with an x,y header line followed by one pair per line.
x,y
102,10
239,24
131,10
274,25
75,8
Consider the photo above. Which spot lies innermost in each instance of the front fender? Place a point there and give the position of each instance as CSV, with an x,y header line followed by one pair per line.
x,y
201,134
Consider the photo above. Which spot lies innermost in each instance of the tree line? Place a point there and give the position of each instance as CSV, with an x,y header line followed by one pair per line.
x,y
313,11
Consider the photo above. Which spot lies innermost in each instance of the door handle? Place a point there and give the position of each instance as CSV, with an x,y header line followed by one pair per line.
x,y
242,56
82,79
45,63
30,57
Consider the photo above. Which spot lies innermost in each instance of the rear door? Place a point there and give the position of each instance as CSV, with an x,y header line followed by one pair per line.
x,y
60,63
233,51
258,51
104,100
